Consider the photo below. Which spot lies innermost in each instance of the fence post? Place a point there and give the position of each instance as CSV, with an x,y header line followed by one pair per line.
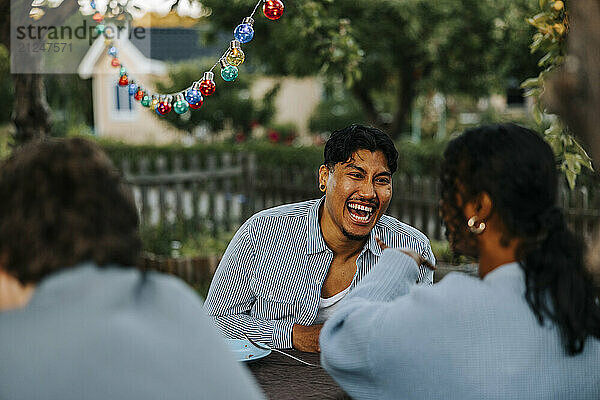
x,y
177,169
211,166
161,168
248,176
227,164
194,164
143,169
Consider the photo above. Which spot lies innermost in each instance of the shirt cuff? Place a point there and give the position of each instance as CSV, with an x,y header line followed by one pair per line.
x,y
393,275
282,334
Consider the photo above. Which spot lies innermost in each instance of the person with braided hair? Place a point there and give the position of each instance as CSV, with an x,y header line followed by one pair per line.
x,y
527,328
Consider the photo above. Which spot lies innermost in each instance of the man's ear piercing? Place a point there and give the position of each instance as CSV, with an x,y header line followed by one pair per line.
x,y
322,187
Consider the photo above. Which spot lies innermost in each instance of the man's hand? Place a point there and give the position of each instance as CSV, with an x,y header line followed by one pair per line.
x,y
306,338
419,259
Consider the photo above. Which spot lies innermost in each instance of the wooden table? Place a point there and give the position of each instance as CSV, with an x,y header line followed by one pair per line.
x,y
282,378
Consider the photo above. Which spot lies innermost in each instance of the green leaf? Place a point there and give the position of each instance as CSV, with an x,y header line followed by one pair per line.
x,y
571,178
530,83
537,116
548,58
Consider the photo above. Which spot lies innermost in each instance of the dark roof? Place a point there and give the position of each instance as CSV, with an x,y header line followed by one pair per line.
x,y
174,44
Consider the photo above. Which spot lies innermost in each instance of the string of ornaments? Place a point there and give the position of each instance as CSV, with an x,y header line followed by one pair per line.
x,y
193,96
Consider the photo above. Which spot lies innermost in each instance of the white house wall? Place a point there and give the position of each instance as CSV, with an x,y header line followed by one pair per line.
x,y
142,126
296,100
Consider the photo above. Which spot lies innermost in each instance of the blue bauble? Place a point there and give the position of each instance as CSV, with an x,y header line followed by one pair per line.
x,y
244,33
113,51
133,88
194,98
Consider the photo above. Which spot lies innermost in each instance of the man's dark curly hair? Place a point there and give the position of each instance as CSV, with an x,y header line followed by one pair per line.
x,y
344,142
62,202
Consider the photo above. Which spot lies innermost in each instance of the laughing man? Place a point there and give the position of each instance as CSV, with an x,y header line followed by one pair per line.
x,y
287,267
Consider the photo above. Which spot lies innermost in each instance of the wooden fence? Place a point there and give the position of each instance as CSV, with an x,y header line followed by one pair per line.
x,y
212,191
220,192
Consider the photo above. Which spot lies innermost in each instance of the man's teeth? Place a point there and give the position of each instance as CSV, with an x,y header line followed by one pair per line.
x,y
361,207
365,218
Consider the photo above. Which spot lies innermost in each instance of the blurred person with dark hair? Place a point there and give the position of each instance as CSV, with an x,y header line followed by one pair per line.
x,y
287,267
77,320
529,328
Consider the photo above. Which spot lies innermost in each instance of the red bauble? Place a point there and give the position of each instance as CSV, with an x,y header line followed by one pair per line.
x,y
124,81
115,62
207,87
273,9
139,95
98,17
163,108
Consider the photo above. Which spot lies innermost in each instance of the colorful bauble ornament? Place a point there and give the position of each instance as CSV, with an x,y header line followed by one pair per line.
x,y
113,51
235,55
194,97
154,101
98,17
133,88
207,84
146,100
181,106
228,72
244,32
273,9
93,4
164,106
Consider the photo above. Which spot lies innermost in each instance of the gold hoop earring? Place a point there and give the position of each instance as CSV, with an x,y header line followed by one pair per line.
x,y
322,188
476,230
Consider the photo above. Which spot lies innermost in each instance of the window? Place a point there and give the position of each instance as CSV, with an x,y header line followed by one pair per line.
x,y
122,106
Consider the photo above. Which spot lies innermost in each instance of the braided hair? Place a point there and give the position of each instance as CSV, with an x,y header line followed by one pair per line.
x,y
518,170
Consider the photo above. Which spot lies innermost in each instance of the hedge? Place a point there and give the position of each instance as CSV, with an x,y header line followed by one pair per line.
x,y
422,158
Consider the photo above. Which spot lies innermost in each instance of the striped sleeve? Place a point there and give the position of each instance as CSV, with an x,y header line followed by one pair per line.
x,y
425,274
230,298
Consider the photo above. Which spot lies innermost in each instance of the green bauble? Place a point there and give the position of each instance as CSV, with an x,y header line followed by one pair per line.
x,y
181,106
100,29
146,100
229,73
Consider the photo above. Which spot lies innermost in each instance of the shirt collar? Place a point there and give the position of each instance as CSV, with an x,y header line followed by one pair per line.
x,y
314,239
315,242
509,270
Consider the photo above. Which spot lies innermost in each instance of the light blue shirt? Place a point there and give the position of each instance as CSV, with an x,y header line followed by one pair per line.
x,y
271,274
462,338
110,333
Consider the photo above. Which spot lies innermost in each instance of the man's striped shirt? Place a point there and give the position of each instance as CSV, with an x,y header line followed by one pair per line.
x,y
271,274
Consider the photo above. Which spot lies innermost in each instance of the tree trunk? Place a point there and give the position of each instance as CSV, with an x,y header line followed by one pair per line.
x,y
31,114
404,99
574,92
364,98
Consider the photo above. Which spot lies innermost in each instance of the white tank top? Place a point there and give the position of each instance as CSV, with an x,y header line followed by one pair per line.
x,y
328,305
